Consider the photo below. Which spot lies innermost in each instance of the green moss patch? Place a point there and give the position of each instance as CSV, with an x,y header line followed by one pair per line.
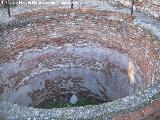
x,y
80,102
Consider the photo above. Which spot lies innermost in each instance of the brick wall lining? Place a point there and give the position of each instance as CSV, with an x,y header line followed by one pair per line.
x,y
143,35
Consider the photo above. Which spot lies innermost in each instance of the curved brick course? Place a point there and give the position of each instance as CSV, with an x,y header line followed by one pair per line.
x,y
49,40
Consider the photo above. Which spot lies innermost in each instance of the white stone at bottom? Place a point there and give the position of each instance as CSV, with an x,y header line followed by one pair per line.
x,y
73,99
